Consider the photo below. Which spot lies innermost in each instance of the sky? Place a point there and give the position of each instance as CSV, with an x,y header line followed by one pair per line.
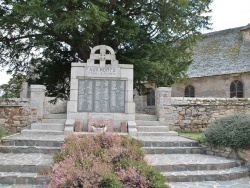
x,y
229,14
225,14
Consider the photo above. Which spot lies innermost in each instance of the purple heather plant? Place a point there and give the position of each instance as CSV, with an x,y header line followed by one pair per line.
x,y
104,160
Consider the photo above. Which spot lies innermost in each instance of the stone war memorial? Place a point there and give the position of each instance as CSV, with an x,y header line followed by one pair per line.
x,y
101,92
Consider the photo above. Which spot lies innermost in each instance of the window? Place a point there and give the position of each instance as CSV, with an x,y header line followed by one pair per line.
x,y
151,97
236,89
189,91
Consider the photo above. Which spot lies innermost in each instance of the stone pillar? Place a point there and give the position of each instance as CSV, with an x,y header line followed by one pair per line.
x,y
37,98
162,102
24,90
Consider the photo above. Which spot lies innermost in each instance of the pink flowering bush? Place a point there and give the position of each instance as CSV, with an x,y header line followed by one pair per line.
x,y
104,160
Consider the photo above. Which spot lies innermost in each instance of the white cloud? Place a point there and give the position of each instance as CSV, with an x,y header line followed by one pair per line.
x,y
230,13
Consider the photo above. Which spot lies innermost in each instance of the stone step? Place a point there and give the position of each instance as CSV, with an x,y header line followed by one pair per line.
x,y
174,150
169,133
26,159
30,168
170,141
15,178
21,186
30,131
43,143
190,162
147,123
207,175
26,163
54,121
152,128
29,149
146,117
238,183
47,126
55,116
43,140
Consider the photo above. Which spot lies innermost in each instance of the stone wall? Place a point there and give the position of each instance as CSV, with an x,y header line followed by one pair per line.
x,y
141,104
227,152
60,107
141,101
14,114
194,114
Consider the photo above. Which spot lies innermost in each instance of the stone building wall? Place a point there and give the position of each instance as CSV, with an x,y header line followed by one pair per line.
x,y
15,114
213,86
194,114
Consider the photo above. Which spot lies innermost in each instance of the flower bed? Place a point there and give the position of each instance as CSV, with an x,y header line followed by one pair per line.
x,y
103,160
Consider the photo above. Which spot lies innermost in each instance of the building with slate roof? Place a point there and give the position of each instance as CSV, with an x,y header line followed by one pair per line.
x,y
221,66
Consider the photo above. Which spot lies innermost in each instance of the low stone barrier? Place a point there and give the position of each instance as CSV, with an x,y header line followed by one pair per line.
x,y
227,152
194,114
15,114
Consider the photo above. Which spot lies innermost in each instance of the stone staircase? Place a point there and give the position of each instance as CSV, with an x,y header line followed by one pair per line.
x,y
52,123
185,164
147,125
27,158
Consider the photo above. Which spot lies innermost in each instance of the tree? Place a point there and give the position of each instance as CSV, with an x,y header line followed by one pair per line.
x,y
42,37
13,87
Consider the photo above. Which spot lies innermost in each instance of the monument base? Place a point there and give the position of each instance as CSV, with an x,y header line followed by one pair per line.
x,y
112,120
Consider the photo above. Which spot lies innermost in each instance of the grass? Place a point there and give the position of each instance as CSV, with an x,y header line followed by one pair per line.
x,y
4,133
193,135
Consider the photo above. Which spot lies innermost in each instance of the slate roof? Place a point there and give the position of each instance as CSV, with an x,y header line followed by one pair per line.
x,y
221,52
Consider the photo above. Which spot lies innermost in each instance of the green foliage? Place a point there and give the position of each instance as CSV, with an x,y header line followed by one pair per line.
x,y
232,131
58,156
2,132
12,88
42,38
153,175
111,181
104,160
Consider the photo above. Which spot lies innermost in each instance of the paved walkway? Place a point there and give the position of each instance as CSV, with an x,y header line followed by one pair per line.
x,y
191,159
35,136
165,139
240,183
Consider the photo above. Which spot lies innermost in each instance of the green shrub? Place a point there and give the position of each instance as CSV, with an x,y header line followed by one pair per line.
x,y
232,131
58,156
152,175
111,181
104,160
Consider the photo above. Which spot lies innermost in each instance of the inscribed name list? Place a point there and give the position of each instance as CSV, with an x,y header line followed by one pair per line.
x,y
101,96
